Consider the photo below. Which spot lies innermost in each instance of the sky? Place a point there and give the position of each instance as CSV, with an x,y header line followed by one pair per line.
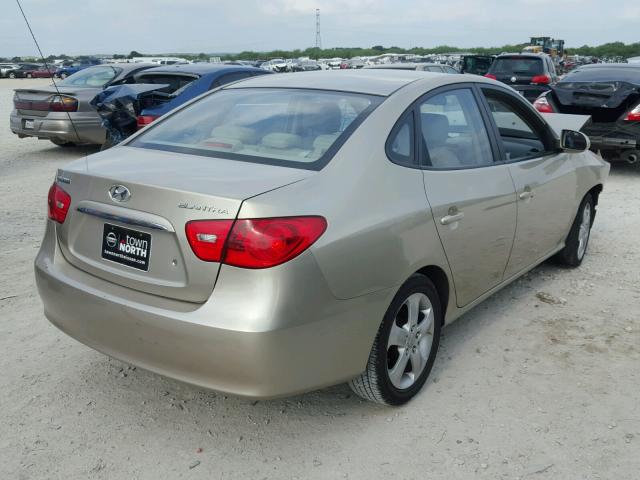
x,y
76,27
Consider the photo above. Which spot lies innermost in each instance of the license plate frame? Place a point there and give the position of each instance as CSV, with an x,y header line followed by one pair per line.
x,y
127,247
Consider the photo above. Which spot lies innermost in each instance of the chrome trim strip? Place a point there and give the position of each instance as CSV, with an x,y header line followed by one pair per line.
x,y
119,218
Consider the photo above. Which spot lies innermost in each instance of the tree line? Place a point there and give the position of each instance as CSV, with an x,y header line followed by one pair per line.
x,y
612,49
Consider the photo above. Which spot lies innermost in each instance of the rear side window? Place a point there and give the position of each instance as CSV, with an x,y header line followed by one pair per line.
x,y
400,142
521,137
175,82
453,131
524,66
91,77
291,127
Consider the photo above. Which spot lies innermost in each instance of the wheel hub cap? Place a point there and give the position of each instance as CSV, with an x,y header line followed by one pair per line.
x,y
410,341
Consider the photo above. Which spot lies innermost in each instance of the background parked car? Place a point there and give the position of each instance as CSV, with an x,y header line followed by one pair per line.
x,y
476,64
68,70
22,71
424,67
610,94
42,72
529,73
48,113
5,67
177,84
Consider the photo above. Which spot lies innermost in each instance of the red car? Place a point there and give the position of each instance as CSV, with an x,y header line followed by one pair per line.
x,y
42,72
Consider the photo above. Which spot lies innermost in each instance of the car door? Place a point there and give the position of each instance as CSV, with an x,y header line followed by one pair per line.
x,y
544,177
472,198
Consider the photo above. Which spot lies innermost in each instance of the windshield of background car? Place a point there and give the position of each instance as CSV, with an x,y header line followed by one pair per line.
x,y
289,127
604,74
524,66
91,77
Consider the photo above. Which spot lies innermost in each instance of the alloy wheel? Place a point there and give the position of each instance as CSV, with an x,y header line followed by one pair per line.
x,y
410,341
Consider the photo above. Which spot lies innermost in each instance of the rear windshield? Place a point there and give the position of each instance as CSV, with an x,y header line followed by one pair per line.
x,y
174,82
517,66
604,74
289,127
91,77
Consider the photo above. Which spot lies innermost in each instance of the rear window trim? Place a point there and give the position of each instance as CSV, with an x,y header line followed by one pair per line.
x,y
319,164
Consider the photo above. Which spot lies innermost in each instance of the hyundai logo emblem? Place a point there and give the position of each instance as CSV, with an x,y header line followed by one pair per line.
x,y
119,193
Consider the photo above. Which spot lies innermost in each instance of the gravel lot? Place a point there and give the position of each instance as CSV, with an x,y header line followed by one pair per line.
x,y
521,388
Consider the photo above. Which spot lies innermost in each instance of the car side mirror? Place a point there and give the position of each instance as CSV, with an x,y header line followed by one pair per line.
x,y
574,142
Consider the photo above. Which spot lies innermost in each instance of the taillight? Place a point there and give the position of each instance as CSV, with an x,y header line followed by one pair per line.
x,y
542,105
541,80
633,115
207,238
491,76
254,243
144,120
54,103
58,201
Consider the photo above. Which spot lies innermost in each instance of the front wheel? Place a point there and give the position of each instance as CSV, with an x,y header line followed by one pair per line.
x,y
29,75
12,75
577,241
63,76
62,143
405,347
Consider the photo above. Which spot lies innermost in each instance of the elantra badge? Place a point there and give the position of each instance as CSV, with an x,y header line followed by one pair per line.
x,y
119,193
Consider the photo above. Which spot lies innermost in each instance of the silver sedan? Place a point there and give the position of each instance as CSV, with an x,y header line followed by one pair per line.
x,y
296,231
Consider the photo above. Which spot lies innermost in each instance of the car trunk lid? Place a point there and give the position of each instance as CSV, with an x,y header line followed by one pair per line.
x,y
145,233
605,101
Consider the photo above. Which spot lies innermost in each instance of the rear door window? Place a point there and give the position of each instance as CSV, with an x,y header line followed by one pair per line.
x,y
453,131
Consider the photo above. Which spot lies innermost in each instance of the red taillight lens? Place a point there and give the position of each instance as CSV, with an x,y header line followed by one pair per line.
x,y
254,243
491,76
541,80
58,201
144,120
207,238
633,115
542,105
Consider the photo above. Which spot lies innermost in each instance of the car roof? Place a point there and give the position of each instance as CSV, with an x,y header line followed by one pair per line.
x,y
200,68
403,65
370,81
520,55
610,65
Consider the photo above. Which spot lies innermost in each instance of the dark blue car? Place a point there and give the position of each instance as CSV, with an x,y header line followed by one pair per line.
x,y
67,70
184,82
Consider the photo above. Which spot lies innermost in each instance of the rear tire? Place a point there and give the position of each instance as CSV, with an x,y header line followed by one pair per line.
x,y
12,75
575,247
63,76
405,346
29,75
62,143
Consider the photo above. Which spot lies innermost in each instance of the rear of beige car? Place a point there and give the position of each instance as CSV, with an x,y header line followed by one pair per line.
x,y
242,329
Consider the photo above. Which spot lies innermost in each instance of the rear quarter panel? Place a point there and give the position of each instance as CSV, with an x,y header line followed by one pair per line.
x,y
380,227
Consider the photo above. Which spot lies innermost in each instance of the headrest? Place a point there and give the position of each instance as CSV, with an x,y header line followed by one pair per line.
x,y
435,128
281,140
243,134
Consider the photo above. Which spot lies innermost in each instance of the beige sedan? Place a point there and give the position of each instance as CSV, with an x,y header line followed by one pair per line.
x,y
300,230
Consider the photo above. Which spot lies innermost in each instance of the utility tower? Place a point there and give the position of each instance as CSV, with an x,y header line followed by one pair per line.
x,y
318,39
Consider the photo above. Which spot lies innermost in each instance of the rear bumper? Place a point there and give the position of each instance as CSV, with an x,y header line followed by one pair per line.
x,y
260,340
613,136
85,128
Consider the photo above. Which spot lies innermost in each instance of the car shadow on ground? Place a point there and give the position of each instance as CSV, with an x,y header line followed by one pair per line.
x,y
136,391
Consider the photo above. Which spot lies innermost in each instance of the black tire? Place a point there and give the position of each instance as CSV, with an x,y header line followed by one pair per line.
x,y
374,383
572,255
62,143
29,75
12,75
63,76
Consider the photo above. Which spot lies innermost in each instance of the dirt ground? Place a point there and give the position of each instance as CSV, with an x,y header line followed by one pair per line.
x,y
521,388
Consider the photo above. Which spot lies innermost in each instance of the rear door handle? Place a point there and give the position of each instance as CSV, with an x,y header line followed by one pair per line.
x,y
526,194
449,219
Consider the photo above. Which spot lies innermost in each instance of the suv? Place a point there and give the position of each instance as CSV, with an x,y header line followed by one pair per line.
x,y
531,74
